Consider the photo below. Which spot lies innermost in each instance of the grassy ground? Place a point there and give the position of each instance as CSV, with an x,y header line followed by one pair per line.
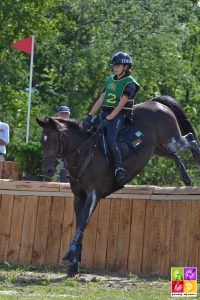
x,y
26,282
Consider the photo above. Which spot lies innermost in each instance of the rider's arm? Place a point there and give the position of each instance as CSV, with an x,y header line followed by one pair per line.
x,y
97,104
115,111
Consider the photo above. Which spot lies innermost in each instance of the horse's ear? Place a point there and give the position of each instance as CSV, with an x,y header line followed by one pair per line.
x,y
41,123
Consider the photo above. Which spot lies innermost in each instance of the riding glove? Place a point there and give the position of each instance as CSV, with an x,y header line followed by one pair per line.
x,y
88,122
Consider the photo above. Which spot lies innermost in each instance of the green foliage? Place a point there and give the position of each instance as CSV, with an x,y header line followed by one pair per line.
x,y
74,43
29,158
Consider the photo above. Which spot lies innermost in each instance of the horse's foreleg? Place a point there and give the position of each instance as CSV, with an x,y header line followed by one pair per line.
x,y
83,213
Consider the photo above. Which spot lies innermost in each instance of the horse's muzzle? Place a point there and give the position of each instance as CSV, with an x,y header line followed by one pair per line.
x,y
49,171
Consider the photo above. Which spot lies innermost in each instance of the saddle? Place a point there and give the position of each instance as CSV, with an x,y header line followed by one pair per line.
x,y
130,140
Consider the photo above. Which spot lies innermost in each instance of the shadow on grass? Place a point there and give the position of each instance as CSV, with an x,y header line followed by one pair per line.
x,y
44,275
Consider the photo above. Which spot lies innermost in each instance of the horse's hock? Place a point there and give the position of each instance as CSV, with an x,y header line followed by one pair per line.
x,y
137,229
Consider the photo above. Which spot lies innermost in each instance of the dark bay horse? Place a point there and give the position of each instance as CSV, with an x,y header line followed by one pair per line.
x,y
167,131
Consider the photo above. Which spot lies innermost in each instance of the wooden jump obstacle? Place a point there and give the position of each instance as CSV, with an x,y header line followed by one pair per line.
x,y
9,170
144,229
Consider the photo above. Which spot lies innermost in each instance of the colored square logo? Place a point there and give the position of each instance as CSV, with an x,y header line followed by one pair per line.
x,y
177,273
177,286
190,286
190,273
184,282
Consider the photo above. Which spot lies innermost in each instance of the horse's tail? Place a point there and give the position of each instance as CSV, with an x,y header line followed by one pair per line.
x,y
183,121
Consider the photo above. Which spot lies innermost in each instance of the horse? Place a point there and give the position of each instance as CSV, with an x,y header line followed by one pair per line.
x,y
167,131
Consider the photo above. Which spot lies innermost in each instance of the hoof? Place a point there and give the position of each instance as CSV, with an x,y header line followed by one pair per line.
x,y
72,270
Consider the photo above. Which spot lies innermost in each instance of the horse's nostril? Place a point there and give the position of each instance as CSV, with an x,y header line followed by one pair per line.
x,y
49,172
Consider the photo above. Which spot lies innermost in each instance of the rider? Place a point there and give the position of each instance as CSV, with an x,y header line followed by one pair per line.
x,y
119,89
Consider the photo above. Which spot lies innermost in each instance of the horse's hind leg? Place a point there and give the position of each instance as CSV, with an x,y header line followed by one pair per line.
x,y
179,163
182,170
184,142
195,149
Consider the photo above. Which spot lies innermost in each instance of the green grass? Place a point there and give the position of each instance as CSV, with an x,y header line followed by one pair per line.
x,y
29,282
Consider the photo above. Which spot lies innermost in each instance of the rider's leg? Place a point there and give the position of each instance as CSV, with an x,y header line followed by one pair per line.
x,y
112,132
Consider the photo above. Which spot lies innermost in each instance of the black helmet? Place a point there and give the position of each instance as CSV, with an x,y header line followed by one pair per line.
x,y
121,58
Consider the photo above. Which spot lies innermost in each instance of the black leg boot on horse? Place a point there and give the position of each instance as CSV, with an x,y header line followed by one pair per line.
x,y
120,173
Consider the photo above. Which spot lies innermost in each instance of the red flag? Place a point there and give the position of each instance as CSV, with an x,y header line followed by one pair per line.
x,y
24,45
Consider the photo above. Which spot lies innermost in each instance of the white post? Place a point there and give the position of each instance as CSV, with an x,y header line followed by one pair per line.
x,y
30,91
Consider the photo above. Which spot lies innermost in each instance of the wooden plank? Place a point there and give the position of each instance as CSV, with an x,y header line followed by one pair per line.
x,y
28,230
55,231
73,226
113,234
194,235
102,234
165,240
137,189
185,211
67,227
5,225
1,169
41,231
30,185
16,229
6,170
148,237
137,236
15,174
175,234
89,242
33,193
178,197
124,235
129,196
157,236
186,190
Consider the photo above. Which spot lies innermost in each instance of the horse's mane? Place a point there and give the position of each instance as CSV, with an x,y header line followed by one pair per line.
x,y
70,124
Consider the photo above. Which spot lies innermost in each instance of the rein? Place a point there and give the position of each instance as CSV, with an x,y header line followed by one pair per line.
x,y
76,152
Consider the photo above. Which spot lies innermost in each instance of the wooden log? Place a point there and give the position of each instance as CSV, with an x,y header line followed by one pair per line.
x,y
165,239
186,190
148,238
9,169
183,251
157,236
175,234
113,234
137,236
89,242
28,230
194,235
16,229
5,225
124,235
102,234
67,227
41,231
55,232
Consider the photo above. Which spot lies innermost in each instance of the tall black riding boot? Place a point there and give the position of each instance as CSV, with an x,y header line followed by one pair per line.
x,y
120,173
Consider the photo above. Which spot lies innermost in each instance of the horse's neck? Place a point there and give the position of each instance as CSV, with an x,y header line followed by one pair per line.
x,y
77,144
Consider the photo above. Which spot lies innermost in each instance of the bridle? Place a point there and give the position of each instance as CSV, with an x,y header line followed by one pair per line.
x,y
60,155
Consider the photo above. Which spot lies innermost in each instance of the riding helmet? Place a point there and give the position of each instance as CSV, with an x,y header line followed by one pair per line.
x,y
121,58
